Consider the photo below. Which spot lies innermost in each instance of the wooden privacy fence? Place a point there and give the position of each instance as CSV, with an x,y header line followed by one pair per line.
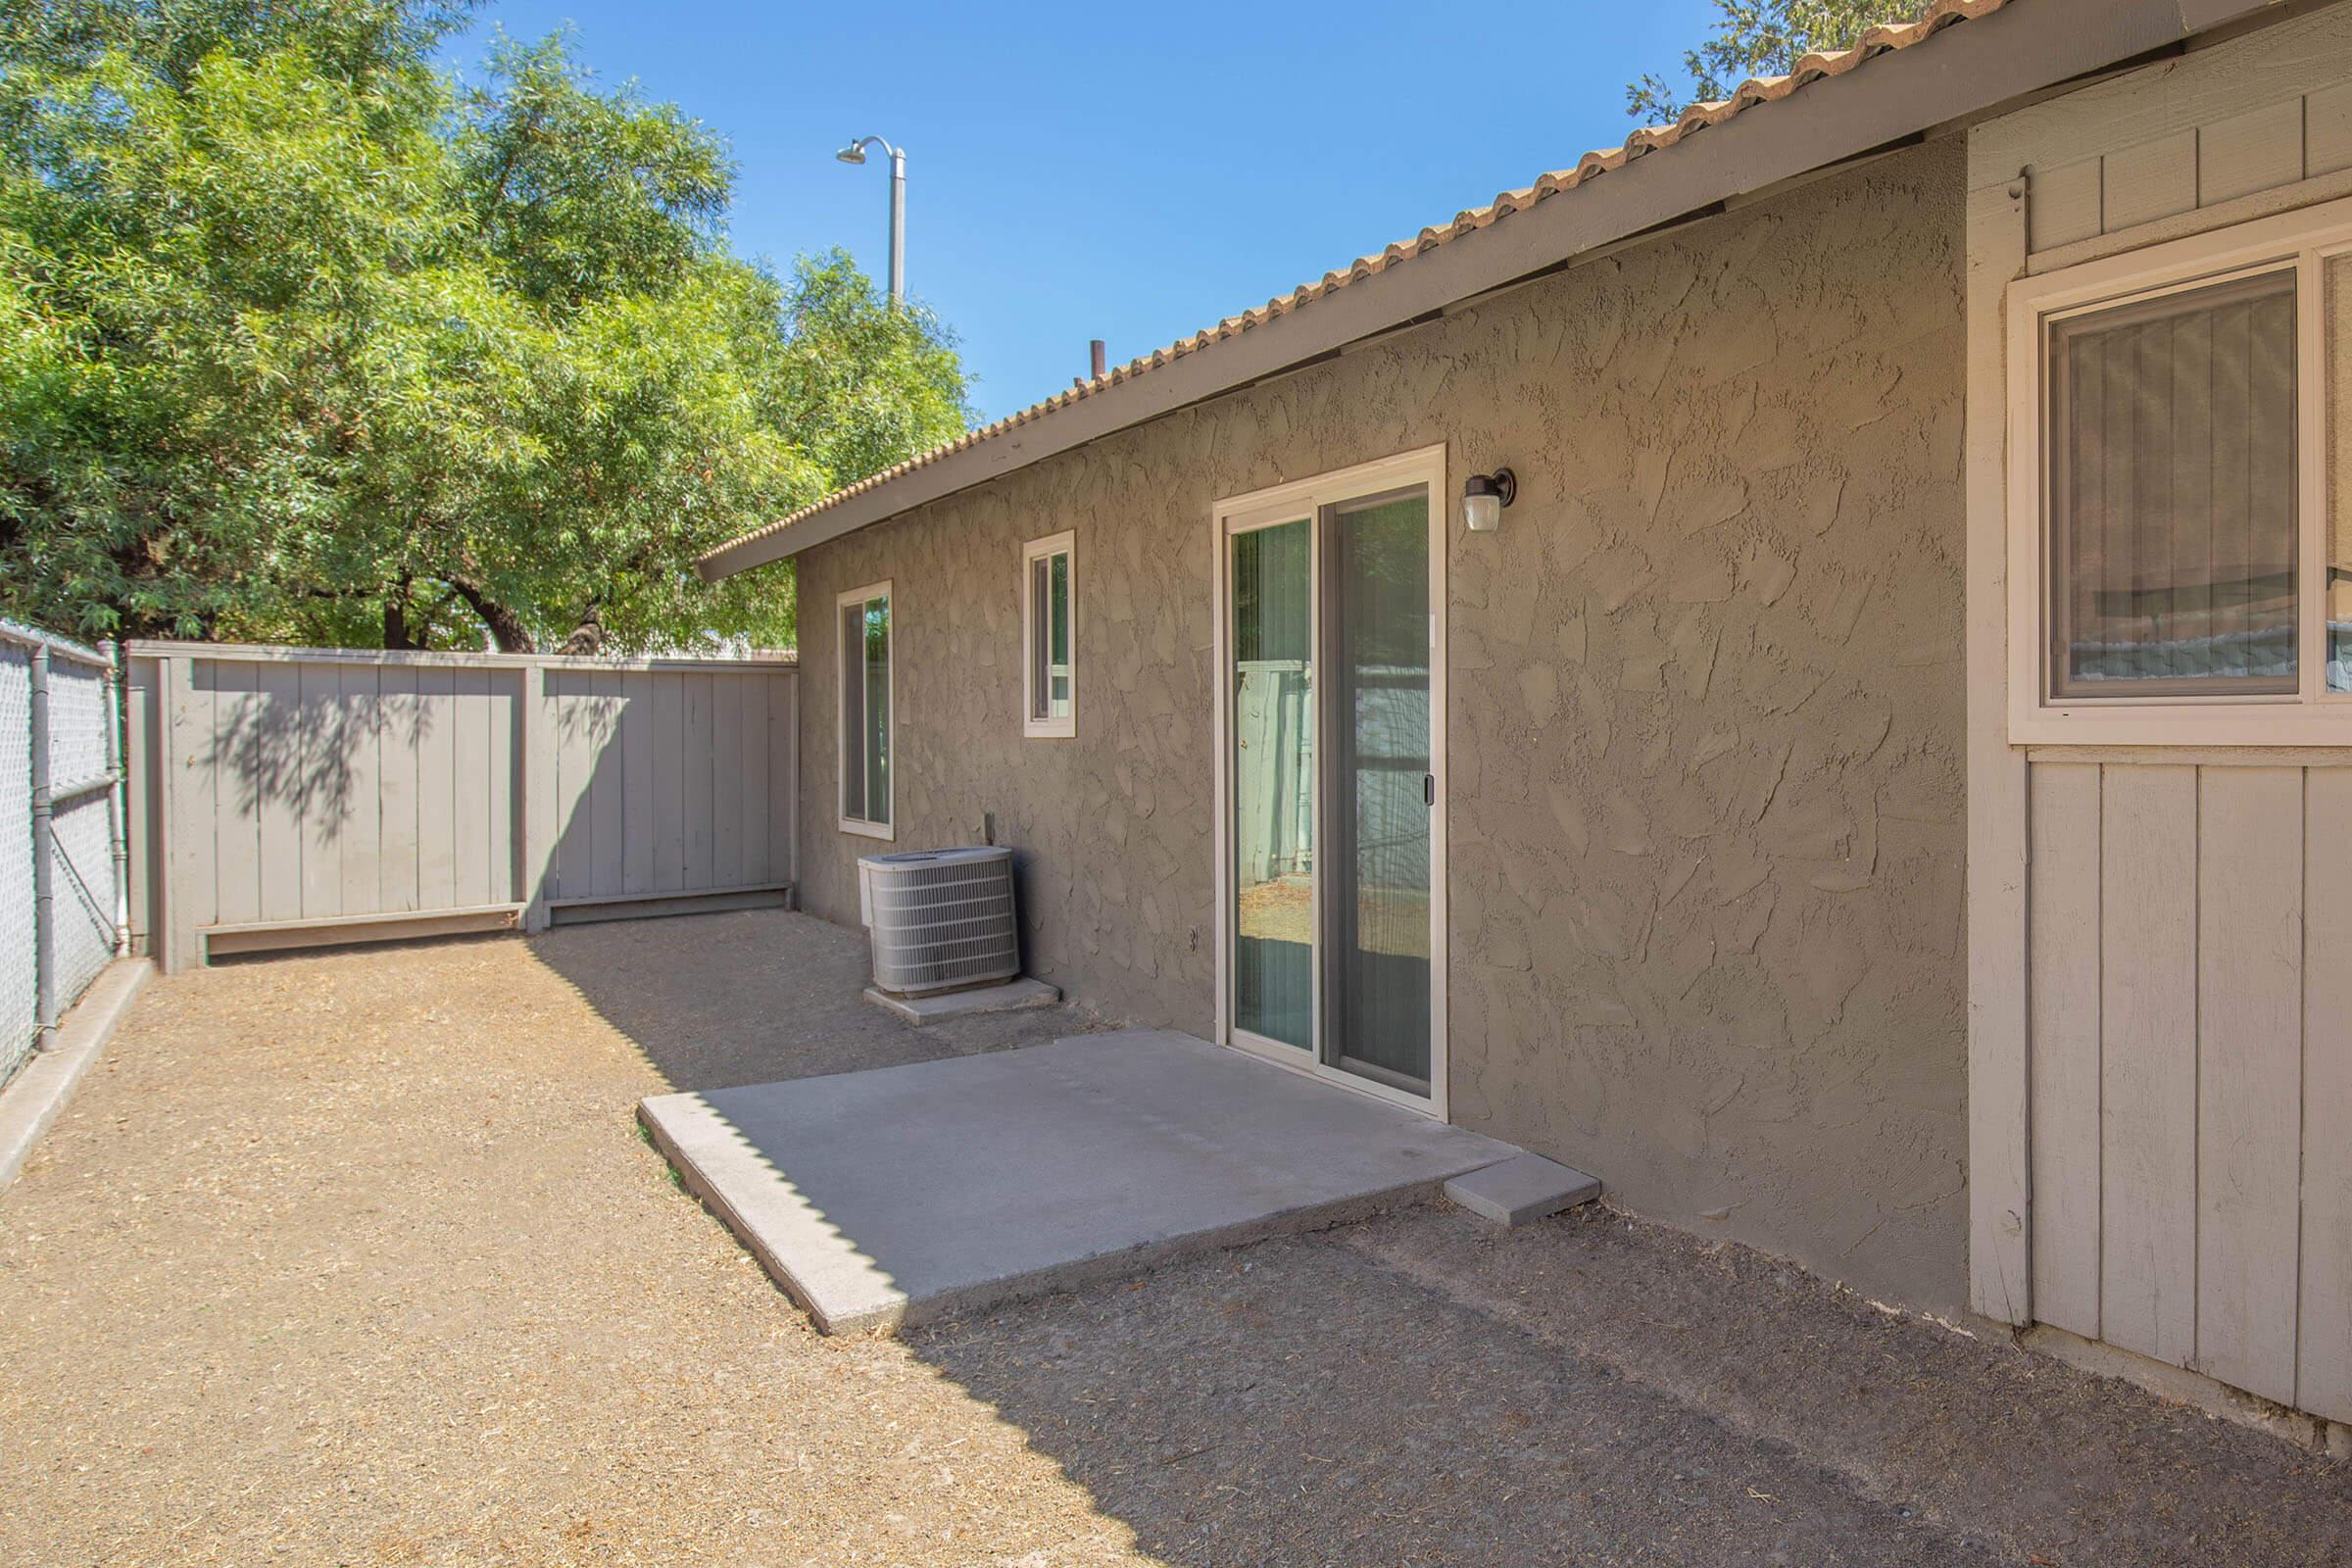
x,y
295,796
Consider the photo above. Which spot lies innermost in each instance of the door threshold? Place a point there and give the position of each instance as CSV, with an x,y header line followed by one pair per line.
x,y
1290,1059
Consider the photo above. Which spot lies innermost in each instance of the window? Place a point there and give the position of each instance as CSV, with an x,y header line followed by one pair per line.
x,y
2182,556
1049,691
863,616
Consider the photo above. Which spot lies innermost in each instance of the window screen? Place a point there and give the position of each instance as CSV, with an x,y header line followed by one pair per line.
x,y
2173,494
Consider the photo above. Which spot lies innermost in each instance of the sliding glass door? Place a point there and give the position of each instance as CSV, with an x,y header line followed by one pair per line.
x,y
1376,989
1331,926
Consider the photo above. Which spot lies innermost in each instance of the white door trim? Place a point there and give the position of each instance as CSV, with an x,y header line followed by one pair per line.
x,y
1289,502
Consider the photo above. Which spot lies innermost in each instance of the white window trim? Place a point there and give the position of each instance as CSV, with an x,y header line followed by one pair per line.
x,y
2310,717
851,824
1285,503
1033,727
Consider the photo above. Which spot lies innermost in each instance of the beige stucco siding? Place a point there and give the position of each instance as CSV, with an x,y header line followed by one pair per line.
x,y
1705,727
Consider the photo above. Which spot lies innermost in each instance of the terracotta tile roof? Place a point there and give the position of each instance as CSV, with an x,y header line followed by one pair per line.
x,y
1812,68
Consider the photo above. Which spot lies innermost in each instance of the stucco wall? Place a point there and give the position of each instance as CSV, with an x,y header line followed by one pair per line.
x,y
1705,731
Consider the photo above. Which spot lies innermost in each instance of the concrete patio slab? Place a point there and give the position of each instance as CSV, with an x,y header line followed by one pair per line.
x,y
1013,995
1522,1190
908,1194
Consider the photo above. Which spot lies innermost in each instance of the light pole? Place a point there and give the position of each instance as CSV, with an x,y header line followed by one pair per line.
x,y
854,153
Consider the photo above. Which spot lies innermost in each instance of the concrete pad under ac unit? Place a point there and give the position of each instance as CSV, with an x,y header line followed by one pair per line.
x,y
1013,995
903,1195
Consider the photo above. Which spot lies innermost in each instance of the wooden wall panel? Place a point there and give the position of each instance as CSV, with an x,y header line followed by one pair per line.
x,y
2251,115
2323,1348
2148,1074
2250,1074
2063,925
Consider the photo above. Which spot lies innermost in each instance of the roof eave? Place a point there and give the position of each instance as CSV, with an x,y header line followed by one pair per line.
x,y
1959,74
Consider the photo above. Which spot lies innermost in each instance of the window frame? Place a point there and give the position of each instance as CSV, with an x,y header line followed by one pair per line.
x,y
1063,726
2303,242
865,827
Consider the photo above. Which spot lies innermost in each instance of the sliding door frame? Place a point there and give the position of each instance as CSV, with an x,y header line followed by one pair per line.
x,y
1311,500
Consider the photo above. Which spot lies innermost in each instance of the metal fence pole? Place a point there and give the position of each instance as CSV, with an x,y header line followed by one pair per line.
x,y
118,808
44,925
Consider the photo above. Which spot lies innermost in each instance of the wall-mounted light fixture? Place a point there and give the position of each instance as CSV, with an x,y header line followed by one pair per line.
x,y
1484,496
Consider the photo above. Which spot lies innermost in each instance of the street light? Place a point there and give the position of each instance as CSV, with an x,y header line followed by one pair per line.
x,y
854,153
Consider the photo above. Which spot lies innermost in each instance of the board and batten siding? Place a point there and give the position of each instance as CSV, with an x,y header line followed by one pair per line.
x,y
285,797
2160,961
2228,131
2187,967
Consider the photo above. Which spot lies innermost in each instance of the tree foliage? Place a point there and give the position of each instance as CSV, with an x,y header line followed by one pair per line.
x,y
1759,38
300,340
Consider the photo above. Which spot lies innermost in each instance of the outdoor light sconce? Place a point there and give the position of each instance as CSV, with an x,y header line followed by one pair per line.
x,y
1484,496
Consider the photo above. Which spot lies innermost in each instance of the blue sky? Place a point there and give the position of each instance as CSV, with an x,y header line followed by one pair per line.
x,y
1132,172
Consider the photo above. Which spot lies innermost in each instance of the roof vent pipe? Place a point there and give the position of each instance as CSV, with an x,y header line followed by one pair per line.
x,y
1097,356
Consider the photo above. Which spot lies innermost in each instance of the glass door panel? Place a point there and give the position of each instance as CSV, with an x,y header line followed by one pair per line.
x,y
1274,783
1377,876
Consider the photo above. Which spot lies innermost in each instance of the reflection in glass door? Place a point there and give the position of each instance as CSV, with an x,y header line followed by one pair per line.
x,y
1333,784
1274,783
1377,990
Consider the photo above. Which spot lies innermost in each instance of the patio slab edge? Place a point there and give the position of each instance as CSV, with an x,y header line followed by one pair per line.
x,y
877,1234
701,1148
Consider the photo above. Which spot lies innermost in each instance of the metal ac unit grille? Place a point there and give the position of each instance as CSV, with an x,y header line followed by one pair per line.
x,y
941,918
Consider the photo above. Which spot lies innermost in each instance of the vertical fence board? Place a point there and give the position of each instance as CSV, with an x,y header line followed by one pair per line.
x,y
501,723
2250,1074
726,780
318,802
358,820
2148,1073
606,788
397,728
670,781
278,750
784,777
192,797
637,782
696,794
239,789
756,864
2063,943
469,787
436,788
2324,1351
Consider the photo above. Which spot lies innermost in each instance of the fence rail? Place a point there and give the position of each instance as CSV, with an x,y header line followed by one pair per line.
x,y
289,797
61,810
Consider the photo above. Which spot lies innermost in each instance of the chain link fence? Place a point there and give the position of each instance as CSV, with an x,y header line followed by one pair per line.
x,y
61,832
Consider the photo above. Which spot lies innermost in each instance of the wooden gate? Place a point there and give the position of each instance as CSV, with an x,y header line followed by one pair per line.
x,y
295,797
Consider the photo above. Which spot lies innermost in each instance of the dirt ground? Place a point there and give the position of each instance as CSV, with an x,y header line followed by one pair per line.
x,y
358,1258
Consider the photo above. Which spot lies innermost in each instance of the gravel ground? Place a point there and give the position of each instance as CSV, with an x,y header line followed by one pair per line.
x,y
358,1258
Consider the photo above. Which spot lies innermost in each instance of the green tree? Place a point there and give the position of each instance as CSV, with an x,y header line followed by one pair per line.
x,y
1759,38
299,341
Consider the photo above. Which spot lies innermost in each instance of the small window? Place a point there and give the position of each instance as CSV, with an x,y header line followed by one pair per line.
x,y
863,616
2172,495
2177,504
1049,632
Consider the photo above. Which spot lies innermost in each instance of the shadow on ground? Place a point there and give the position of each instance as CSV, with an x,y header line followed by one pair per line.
x,y
1424,1390
759,995
1595,1389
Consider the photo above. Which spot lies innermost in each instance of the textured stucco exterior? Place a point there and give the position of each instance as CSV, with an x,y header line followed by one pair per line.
x,y
1705,724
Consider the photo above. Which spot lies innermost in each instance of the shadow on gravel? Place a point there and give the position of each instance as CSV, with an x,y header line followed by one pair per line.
x,y
1298,1403
1597,1390
759,995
